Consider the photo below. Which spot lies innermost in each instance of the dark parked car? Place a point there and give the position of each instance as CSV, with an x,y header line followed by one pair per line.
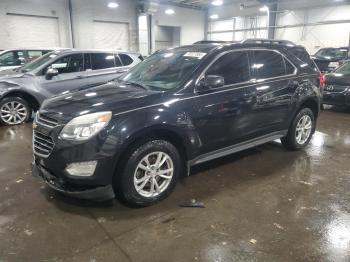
x,y
14,58
337,89
24,89
180,107
328,59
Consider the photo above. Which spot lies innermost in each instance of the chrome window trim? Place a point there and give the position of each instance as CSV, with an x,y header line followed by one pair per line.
x,y
250,81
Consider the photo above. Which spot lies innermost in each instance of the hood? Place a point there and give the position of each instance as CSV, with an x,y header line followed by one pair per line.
x,y
338,79
112,96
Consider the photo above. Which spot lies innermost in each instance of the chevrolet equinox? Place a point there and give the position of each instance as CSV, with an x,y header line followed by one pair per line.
x,y
134,136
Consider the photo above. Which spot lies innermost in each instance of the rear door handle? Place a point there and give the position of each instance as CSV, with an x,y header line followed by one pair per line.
x,y
79,77
121,71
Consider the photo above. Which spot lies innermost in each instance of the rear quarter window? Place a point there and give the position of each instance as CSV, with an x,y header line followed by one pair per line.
x,y
126,60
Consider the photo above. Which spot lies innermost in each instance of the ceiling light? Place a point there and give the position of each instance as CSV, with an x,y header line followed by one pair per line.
x,y
216,2
113,5
264,9
215,16
169,11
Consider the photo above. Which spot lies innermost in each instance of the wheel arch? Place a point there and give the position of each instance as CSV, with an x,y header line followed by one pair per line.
x,y
30,99
155,132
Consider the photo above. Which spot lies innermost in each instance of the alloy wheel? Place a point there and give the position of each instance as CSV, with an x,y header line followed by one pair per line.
x,y
153,174
303,129
13,113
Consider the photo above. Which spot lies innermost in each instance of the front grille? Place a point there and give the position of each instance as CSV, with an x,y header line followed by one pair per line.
x,y
335,88
44,120
42,144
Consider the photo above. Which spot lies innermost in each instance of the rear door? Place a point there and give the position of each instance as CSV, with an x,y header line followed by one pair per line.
x,y
274,76
104,67
72,74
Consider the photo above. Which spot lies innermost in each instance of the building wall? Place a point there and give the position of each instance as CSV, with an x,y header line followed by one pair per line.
x,y
86,11
50,8
190,21
295,12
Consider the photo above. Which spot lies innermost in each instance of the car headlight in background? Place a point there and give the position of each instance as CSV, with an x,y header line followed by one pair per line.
x,y
84,127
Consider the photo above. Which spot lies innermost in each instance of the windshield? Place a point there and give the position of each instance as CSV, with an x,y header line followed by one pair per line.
x,y
344,69
38,62
332,52
165,70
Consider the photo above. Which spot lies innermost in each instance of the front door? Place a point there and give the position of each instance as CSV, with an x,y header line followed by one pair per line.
x,y
71,75
220,114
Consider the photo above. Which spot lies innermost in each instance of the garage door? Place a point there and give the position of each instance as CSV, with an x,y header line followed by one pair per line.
x,y
110,35
31,31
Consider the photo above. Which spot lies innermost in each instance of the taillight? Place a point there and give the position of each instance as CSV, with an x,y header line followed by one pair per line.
x,y
322,81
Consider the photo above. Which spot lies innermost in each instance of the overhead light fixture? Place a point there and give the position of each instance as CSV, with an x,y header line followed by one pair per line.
x,y
169,11
264,9
214,16
217,2
113,5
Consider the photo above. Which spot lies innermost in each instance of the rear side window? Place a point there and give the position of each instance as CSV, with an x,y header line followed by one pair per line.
x,y
117,61
289,67
267,64
127,60
233,67
34,54
102,61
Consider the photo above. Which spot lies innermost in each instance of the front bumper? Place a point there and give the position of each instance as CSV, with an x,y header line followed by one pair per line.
x,y
99,193
336,99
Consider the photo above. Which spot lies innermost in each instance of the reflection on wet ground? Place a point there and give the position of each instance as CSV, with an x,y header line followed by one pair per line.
x,y
263,204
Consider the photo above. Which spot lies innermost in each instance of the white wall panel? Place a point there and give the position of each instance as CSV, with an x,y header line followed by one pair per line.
x,y
47,8
31,31
107,35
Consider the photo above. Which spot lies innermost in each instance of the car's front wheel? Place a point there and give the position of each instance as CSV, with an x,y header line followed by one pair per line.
x,y
149,174
14,111
300,131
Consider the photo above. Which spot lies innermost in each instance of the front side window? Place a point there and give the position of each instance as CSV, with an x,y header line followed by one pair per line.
x,y
233,67
69,64
38,62
267,64
165,70
12,58
102,61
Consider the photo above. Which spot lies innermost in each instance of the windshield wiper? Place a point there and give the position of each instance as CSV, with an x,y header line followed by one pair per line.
x,y
137,84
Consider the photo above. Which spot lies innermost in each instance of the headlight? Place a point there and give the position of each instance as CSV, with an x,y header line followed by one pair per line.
x,y
83,127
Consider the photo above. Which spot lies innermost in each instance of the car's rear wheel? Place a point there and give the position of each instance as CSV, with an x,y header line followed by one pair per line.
x,y
301,130
149,174
14,111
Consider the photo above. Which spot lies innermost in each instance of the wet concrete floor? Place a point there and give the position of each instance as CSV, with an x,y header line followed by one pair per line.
x,y
263,204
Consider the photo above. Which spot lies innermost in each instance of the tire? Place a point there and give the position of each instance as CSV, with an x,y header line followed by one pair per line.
x,y
292,141
125,184
21,114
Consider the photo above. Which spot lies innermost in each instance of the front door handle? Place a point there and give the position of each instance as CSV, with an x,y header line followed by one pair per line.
x,y
121,71
79,77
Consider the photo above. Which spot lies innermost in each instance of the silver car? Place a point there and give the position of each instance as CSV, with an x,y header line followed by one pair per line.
x,y
24,89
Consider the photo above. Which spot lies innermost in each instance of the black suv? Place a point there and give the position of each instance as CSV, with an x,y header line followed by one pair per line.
x,y
180,107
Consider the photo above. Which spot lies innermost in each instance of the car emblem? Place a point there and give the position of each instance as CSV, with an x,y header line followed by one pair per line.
x,y
330,88
34,125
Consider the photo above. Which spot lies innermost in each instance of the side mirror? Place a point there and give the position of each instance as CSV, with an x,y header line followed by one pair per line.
x,y
210,82
50,73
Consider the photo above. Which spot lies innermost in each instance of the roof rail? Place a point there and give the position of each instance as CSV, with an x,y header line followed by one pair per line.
x,y
267,41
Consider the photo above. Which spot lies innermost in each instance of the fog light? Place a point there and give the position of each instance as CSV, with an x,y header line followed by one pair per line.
x,y
81,168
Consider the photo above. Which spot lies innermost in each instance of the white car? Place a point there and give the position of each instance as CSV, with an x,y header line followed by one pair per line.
x,y
14,58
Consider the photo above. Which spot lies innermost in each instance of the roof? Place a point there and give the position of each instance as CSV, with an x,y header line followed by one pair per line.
x,y
81,50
